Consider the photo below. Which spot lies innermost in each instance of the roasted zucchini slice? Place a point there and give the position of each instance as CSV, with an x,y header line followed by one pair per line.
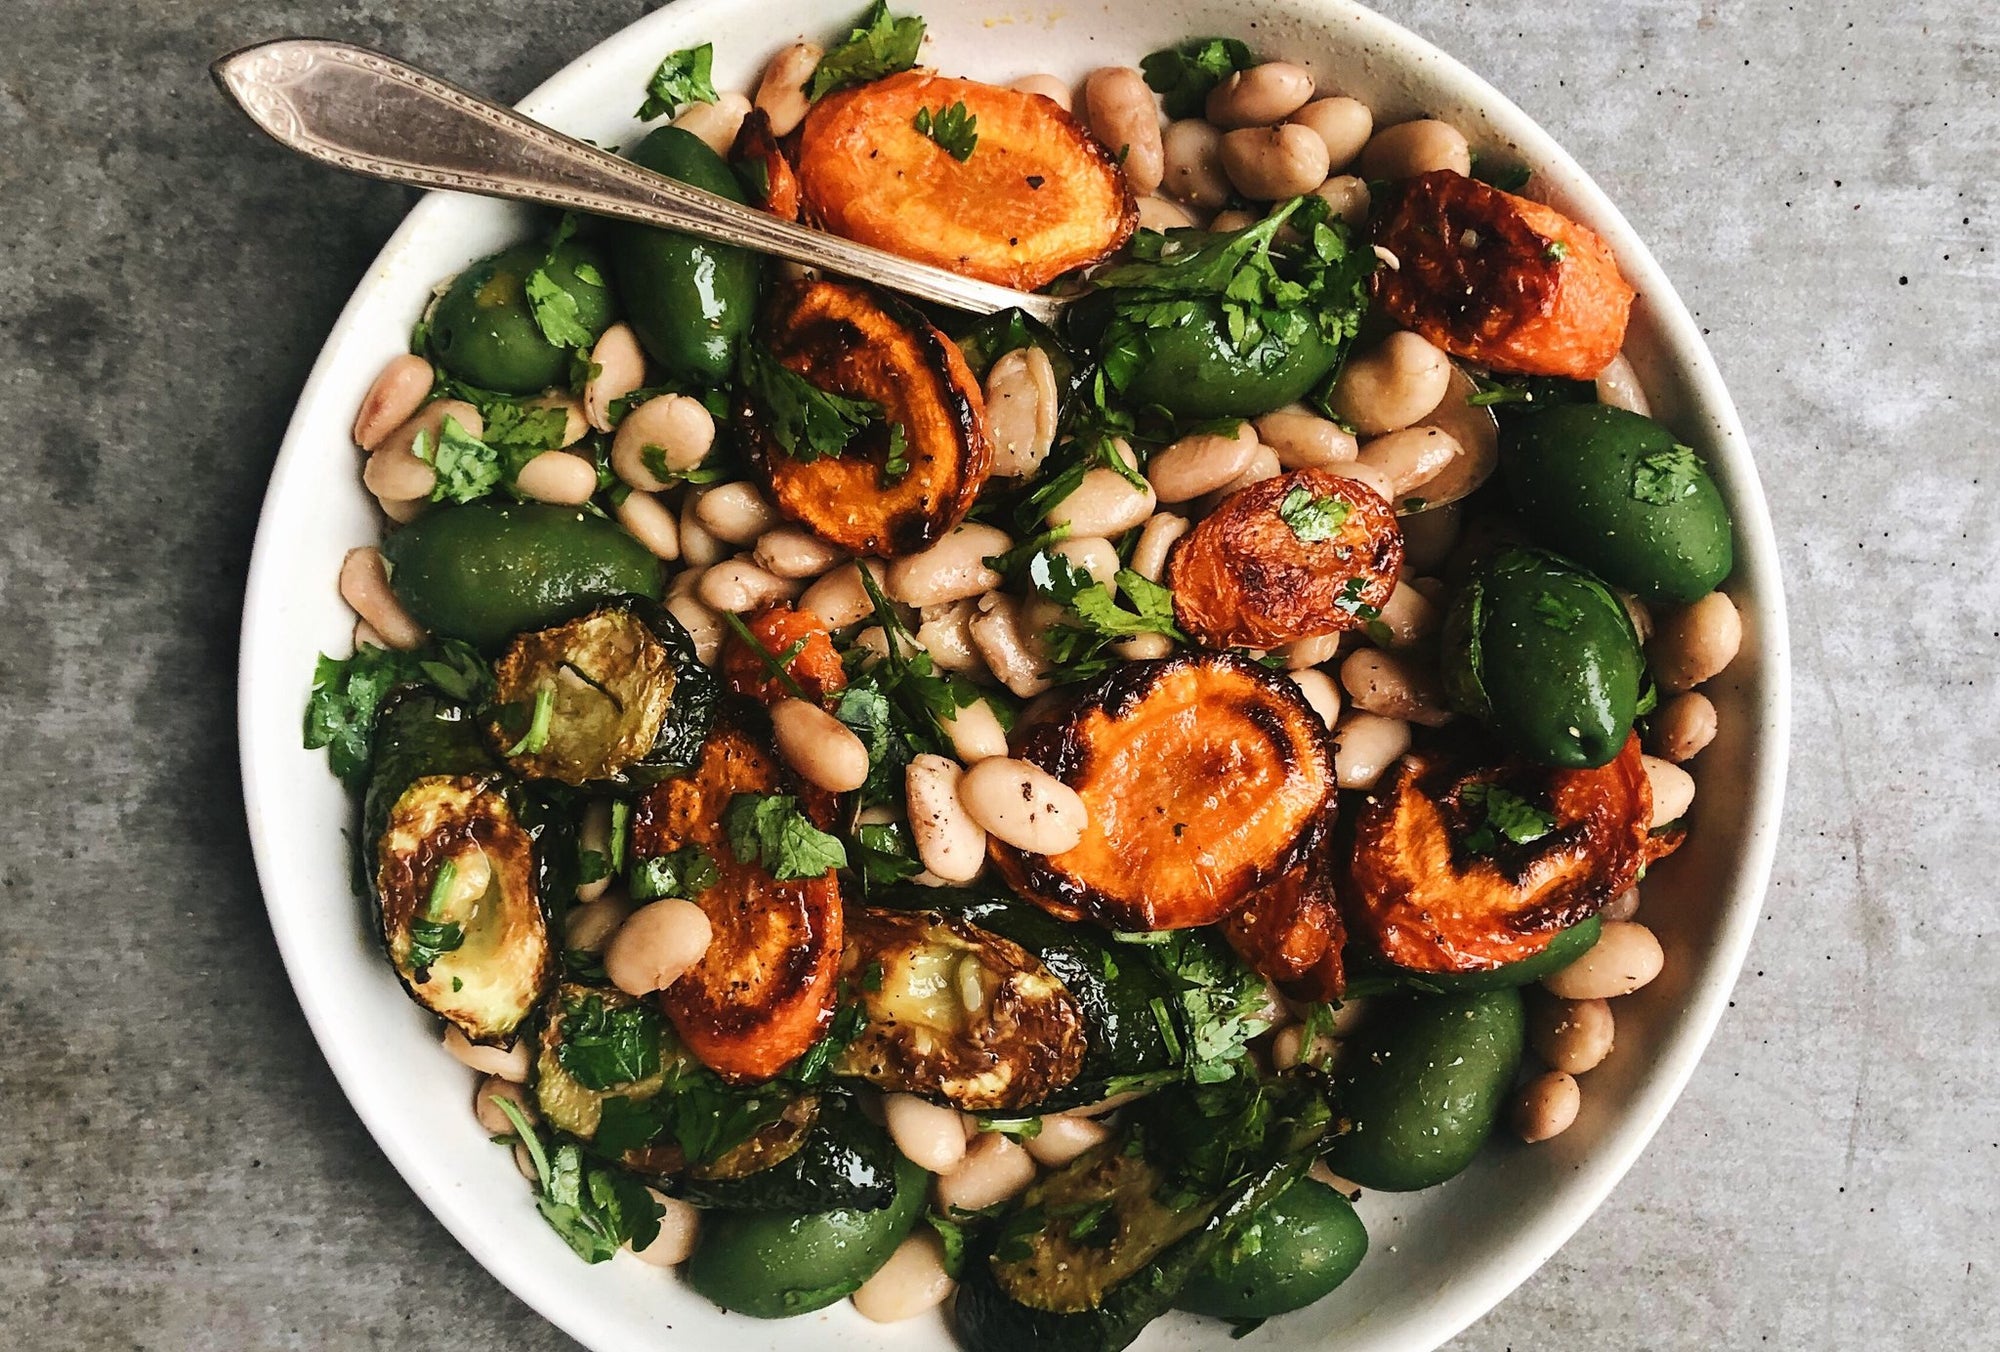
x,y
1291,557
615,696
842,1162
763,993
1205,776
1460,868
906,477
956,1012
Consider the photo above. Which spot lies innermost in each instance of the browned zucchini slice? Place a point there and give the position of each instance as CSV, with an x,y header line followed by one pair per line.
x,y
582,701
956,1012
1429,901
862,344
1205,776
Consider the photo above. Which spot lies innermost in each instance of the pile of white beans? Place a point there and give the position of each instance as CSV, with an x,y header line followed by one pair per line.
x,y
1269,135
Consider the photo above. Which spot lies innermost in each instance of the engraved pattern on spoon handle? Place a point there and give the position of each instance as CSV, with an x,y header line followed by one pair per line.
x,y
367,113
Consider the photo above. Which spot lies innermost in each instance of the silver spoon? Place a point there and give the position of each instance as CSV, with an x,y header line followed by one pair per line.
x,y
364,112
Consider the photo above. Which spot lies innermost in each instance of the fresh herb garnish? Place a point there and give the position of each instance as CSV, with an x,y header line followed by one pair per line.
x,y
952,1236
431,940
1182,76
878,45
897,463
1557,613
1499,815
888,855
467,468
1510,176
923,698
555,311
537,736
848,1021
1556,252
1078,646
595,1208
603,1046
770,829
806,421
347,692
1314,520
1221,999
685,77
1666,476
686,872
955,129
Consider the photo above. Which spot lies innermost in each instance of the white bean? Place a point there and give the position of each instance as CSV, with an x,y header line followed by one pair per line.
x,y
1673,790
1021,406
1693,644
949,842
1105,502
1625,958
680,1227
1391,385
660,941
1409,616
1304,440
510,1063
673,430
429,422
366,637
796,553
1156,539
1378,683
1049,87
589,927
651,524
1321,693
1311,651
593,836
1227,222
1411,148
1159,214
782,91
1618,385
1200,463
620,369
1263,465
576,423
945,632
1122,113
735,513
839,599
1365,745
699,549
1063,1137
1009,646
715,124
1024,805
1192,150
975,732
1624,906
1545,1107
739,586
995,1168
950,570
1290,1048
931,1136
1093,554
558,477
1344,124
1269,164
1573,1036
398,392
395,476
1683,727
1349,198
1410,458
486,1108
364,585
824,751
702,622
1143,647
1259,96
911,1282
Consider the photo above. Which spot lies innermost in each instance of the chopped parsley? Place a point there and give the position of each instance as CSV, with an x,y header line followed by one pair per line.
x,y
686,872
537,736
604,1046
879,44
770,829
1556,251
955,129
347,692
431,940
888,854
1221,999
1498,815
897,463
1314,520
1183,75
467,468
921,698
1667,476
1510,176
1079,645
806,421
1557,613
595,1208
848,1021
555,311
685,77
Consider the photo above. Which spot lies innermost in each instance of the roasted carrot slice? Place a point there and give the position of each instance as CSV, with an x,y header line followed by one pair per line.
x,y
863,344
1291,933
1500,280
1459,869
1205,776
1290,557
764,991
780,629
1036,197
760,162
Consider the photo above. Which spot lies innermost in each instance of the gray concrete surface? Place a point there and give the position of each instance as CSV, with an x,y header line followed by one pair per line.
x,y
177,1169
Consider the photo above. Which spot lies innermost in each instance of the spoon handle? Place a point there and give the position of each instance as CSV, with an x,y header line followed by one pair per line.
x,y
361,111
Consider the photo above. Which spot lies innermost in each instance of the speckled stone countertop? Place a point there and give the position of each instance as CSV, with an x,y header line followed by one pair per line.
x,y
180,1171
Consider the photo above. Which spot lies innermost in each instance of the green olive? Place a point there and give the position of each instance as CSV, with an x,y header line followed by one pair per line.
x,y
1294,1250
1614,491
484,330
1193,370
691,302
1544,654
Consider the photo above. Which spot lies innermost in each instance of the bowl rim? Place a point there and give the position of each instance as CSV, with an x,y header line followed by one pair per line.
x,y
1533,1243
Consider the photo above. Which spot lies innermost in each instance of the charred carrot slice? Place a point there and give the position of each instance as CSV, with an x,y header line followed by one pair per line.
x,y
1290,557
1035,197
764,991
1204,775
1461,869
1497,279
760,162
1291,933
904,480
796,640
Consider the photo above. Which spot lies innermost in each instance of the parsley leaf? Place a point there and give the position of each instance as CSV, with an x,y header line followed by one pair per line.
x,y
769,829
1501,816
467,468
1221,999
604,1047
955,129
952,1236
686,872
1183,75
537,736
888,855
1079,649
431,940
555,311
806,421
348,691
595,1208
848,1021
684,77
1667,476
922,697
1557,613
897,464
1314,520
878,45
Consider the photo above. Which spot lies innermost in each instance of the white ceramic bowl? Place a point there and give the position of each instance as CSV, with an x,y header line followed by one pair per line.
x,y
1439,1259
